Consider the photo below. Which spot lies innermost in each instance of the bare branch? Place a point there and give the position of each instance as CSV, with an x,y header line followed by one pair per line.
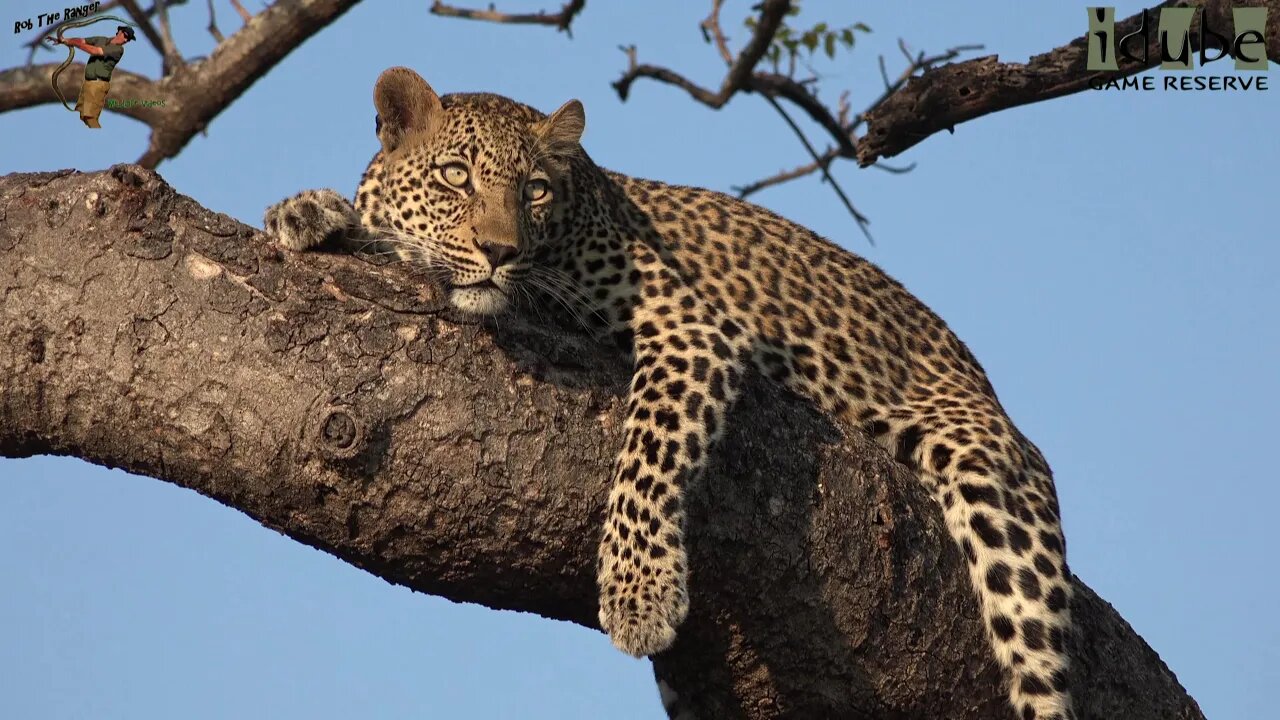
x,y
560,20
839,126
772,13
741,77
171,60
809,168
245,15
861,219
894,170
740,71
661,74
783,176
711,32
774,85
213,24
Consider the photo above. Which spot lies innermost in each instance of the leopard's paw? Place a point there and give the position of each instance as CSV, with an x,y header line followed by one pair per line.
x,y
310,218
641,613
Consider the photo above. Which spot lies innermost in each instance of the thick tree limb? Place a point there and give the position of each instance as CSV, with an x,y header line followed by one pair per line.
x,y
335,401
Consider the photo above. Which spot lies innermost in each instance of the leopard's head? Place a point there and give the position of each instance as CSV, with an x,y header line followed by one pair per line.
x,y
468,186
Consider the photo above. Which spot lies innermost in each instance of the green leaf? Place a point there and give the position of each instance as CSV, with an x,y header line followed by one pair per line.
x,y
846,37
831,45
862,26
810,40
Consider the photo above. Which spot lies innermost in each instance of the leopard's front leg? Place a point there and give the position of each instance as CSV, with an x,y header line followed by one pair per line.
x,y
687,376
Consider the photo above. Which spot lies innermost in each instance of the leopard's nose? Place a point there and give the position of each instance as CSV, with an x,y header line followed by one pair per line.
x,y
497,253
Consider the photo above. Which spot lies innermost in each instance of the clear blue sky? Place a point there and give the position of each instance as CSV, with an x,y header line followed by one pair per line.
x,y
1107,256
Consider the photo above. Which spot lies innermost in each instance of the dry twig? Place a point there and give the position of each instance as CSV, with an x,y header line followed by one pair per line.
x,y
213,23
560,20
162,41
245,15
845,130
742,77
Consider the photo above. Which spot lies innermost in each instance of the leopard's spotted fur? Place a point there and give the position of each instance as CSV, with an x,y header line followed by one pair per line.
x,y
497,199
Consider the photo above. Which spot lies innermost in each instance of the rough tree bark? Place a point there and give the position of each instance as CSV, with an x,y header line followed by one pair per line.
x,y
335,400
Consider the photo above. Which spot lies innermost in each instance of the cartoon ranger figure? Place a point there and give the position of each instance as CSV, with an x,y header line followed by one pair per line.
x,y
105,52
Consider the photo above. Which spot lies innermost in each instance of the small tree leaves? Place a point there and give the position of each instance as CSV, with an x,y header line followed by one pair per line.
x,y
791,44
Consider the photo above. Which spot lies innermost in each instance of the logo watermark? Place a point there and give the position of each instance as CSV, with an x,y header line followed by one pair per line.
x,y
1247,47
113,103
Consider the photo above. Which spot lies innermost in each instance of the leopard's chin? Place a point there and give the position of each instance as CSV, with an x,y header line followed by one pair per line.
x,y
482,299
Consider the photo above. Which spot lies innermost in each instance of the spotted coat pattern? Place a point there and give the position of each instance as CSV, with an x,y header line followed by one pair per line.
x,y
501,205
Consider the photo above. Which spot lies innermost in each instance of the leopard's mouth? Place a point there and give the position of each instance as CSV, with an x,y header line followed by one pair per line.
x,y
487,284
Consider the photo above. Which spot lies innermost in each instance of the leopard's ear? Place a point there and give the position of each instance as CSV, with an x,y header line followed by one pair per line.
x,y
562,131
406,106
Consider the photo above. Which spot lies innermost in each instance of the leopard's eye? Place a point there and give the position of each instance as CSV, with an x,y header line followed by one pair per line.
x,y
456,174
537,190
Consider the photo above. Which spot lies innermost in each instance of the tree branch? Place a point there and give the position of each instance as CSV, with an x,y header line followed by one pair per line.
x,y
740,70
742,77
711,32
839,126
818,161
560,20
245,15
751,188
916,106
164,45
946,96
173,57
336,401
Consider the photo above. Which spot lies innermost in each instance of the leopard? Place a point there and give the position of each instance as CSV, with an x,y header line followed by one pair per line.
x,y
501,205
